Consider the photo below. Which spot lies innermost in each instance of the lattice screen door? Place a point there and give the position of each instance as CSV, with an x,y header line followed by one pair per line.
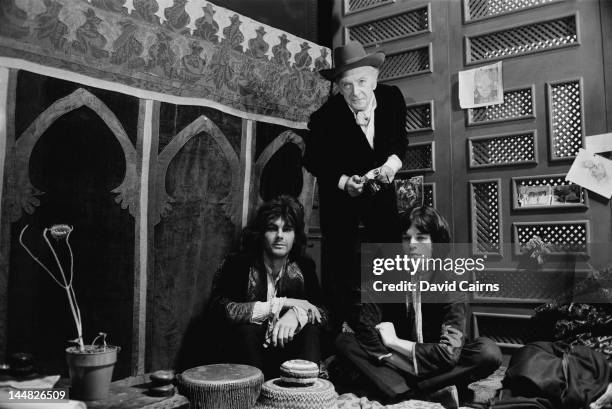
x,y
478,162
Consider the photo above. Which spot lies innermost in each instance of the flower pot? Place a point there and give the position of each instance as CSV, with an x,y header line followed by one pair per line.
x,y
91,370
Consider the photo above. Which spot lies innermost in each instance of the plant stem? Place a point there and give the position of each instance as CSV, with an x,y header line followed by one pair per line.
x,y
77,321
69,292
67,281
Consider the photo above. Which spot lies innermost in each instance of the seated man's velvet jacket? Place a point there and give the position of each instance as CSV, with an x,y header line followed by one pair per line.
x,y
242,280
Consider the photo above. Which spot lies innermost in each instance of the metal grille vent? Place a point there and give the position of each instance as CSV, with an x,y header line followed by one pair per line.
x,y
486,218
429,194
562,236
390,28
523,40
503,150
518,104
419,158
479,9
358,5
526,285
566,119
419,118
504,330
410,62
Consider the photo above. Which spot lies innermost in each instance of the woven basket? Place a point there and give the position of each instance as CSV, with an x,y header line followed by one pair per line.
x,y
221,386
276,394
299,372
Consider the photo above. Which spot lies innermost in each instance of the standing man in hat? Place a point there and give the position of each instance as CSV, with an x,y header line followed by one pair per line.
x,y
355,148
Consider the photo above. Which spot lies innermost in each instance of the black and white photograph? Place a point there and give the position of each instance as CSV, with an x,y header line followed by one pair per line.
x,y
482,86
409,193
535,195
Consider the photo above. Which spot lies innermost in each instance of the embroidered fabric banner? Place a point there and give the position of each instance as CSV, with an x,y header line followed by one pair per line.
x,y
179,51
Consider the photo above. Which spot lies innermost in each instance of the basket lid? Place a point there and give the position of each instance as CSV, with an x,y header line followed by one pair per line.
x,y
221,374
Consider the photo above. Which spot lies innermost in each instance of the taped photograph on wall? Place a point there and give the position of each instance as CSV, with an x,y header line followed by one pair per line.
x,y
409,193
534,196
482,86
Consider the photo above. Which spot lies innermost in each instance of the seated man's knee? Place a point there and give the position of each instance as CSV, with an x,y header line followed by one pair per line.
x,y
489,357
344,342
346,345
310,331
248,333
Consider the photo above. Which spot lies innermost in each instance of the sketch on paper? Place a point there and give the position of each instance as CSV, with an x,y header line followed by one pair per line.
x,y
592,172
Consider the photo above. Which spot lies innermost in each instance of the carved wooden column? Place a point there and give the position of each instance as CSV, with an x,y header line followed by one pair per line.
x,y
8,82
147,143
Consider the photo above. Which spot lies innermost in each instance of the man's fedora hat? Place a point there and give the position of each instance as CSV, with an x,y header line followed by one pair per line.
x,y
349,56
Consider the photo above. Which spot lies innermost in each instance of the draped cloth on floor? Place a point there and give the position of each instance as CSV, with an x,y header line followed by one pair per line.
x,y
555,375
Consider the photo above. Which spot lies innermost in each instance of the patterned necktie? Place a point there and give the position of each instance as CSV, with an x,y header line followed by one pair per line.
x,y
362,119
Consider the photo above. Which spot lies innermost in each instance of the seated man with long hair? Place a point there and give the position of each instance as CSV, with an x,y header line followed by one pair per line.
x,y
417,347
267,298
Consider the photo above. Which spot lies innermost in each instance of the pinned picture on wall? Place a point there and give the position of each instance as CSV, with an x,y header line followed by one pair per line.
x,y
482,86
566,195
529,196
593,172
409,193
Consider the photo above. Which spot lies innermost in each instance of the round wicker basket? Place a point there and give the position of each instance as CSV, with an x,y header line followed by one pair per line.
x,y
276,394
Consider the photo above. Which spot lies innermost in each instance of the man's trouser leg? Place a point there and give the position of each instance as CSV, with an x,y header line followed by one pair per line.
x,y
478,359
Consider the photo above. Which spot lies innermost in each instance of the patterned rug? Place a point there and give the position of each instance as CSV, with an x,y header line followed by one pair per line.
x,y
352,401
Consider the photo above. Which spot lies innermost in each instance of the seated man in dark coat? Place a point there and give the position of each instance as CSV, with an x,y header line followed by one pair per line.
x,y
268,298
417,347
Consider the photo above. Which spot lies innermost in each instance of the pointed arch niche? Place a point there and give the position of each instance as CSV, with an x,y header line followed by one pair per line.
x,y
283,153
197,214
73,164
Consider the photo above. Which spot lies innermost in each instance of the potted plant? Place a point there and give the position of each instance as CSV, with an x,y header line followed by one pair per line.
x,y
90,366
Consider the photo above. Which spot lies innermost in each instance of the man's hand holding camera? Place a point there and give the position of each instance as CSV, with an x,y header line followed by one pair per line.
x,y
383,174
372,181
354,186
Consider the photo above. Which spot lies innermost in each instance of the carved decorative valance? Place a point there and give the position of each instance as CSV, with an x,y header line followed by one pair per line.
x,y
180,51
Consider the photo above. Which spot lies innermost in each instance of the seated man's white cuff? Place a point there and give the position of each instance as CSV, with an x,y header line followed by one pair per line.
x,y
261,311
342,182
276,306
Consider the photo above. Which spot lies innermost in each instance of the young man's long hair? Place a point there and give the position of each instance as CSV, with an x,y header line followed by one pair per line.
x,y
428,220
291,213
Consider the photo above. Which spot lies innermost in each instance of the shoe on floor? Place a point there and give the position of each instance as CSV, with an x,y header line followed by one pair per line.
x,y
447,397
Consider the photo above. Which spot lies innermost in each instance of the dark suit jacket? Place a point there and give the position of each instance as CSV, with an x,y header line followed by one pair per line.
x,y
242,280
336,145
432,355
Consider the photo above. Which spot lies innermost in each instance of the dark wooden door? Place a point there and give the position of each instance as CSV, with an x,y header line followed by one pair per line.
x,y
478,162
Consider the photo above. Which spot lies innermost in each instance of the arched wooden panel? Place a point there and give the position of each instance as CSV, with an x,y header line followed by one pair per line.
x,y
23,193
197,215
307,194
77,152
202,124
